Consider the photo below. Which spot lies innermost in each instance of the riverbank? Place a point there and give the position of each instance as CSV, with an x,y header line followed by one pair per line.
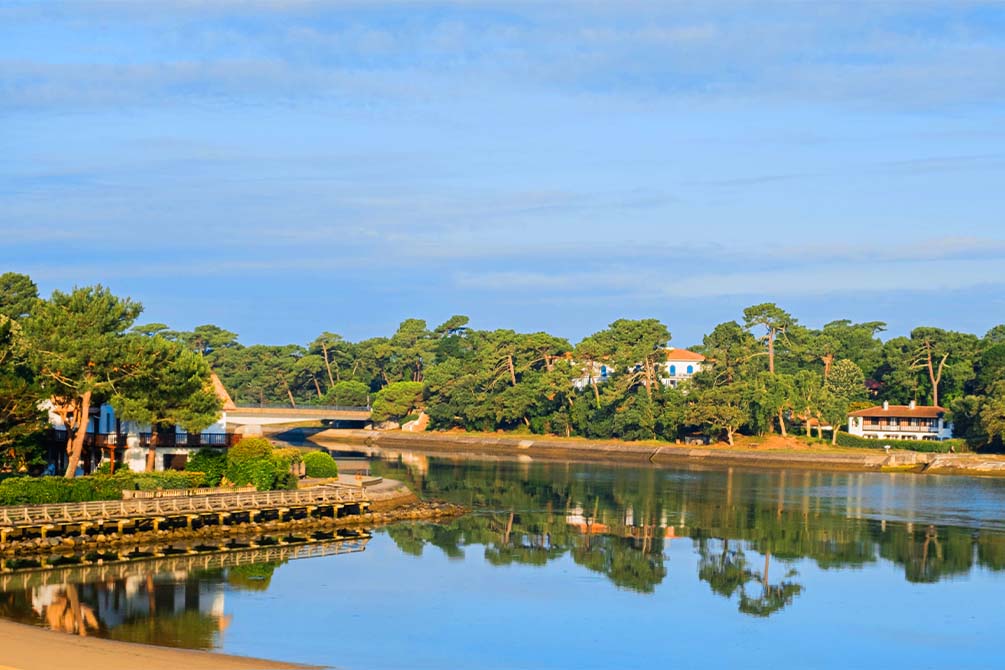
x,y
771,451
25,647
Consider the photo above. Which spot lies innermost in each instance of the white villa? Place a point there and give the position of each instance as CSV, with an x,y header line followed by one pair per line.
x,y
680,365
594,372
901,422
107,434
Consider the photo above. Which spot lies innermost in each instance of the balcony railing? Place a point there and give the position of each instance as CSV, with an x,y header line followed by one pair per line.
x,y
900,428
118,440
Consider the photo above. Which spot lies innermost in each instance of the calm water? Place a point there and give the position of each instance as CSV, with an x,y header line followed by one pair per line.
x,y
586,566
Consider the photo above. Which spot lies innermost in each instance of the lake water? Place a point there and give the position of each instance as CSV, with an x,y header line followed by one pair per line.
x,y
591,566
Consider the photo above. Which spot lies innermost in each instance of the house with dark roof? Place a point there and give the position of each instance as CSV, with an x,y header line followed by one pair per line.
x,y
901,422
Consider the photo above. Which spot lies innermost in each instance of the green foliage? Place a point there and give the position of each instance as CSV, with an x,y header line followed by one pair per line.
x,y
46,490
171,387
18,295
320,464
249,448
79,347
396,400
211,462
21,421
942,447
254,461
349,393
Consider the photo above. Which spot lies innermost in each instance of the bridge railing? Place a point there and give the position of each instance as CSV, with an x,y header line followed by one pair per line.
x,y
31,515
305,407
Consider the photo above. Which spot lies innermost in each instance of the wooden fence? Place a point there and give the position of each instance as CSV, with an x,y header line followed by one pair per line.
x,y
105,510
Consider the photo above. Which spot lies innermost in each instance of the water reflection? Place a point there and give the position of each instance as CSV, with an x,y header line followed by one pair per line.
x,y
177,601
749,528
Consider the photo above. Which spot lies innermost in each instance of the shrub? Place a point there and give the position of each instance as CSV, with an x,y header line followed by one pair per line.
x,y
849,440
49,490
254,461
248,448
320,464
211,462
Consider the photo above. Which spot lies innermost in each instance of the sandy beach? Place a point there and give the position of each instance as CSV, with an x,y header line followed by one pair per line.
x,y
28,648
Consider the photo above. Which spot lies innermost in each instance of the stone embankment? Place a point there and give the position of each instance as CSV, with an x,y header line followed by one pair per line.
x,y
800,455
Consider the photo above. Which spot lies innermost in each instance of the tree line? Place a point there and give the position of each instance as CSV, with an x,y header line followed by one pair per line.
x,y
764,372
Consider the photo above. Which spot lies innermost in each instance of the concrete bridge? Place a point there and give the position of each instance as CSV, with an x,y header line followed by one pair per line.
x,y
272,414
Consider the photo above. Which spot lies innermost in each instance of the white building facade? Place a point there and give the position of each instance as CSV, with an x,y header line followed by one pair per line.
x,y
901,422
680,365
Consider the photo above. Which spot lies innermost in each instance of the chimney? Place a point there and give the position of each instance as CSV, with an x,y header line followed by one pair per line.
x,y
913,404
886,405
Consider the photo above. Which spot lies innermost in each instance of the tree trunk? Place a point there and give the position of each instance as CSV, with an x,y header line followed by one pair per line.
x,y
75,438
152,450
834,436
317,386
781,422
936,377
729,436
512,369
771,351
828,360
328,365
289,393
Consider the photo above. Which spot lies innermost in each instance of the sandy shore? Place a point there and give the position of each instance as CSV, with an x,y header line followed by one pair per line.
x,y
771,451
28,648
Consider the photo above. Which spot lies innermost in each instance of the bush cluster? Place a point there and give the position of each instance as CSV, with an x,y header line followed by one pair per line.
x,y
320,464
254,461
211,462
849,440
49,490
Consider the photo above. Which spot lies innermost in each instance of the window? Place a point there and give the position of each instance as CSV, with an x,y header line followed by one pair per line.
x,y
673,370
603,371
690,369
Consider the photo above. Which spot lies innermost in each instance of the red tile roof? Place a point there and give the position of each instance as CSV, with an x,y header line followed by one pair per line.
x,y
683,355
903,411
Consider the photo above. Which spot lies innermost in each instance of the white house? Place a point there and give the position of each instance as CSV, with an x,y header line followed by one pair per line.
x,y
680,365
901,422
596,371
107,433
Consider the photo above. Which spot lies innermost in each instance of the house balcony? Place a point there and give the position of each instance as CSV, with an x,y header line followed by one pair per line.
x,y
118,440
899,428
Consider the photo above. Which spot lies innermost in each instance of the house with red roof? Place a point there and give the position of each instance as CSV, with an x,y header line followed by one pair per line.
x,y
901,422
680,365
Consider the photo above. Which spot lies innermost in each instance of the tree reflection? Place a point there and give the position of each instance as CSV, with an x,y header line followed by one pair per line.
x,y
618,522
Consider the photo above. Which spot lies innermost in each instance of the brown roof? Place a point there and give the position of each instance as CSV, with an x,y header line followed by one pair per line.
x,y
683,355
221,391
902,411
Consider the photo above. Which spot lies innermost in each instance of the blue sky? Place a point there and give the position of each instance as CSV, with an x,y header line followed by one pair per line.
x,y
282,167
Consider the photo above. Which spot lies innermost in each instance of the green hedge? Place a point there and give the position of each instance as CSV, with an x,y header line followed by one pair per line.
x,y
320,464
849,440
211,462
45,490
254,461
